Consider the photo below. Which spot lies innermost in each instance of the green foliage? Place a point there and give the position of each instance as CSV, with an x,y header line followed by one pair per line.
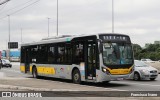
x,y
151,52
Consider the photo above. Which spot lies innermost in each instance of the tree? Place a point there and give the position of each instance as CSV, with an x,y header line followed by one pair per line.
x,y
136,49
151,52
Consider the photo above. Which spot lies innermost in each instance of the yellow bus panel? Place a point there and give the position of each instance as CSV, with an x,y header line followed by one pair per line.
x,y
30,69
119,71
46,70
22,68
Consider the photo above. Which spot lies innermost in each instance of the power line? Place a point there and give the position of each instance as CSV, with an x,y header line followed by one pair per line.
x,y
17,6
3,6
4,2
20,9
24,7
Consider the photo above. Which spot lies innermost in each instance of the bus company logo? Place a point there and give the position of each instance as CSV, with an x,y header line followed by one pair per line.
x,y
62,69
6,94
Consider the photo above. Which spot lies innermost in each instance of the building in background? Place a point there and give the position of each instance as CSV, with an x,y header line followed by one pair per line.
x,y
156,42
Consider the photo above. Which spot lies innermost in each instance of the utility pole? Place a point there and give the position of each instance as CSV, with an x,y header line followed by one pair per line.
x,y
48,26
57,17
9,37
9,27
6,44
21,35
112,16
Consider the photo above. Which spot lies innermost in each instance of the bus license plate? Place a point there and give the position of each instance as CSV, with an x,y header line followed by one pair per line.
x,y
119,79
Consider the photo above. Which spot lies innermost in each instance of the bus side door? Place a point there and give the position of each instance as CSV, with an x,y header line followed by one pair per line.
x,y
27,60
90,59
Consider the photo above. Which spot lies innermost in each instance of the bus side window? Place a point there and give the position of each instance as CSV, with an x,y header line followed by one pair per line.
x,y
68,53
42,54
79,53
22,54
51,54
33,54
61,54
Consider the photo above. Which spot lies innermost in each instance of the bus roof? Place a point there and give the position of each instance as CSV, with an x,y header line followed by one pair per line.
x,y
65,38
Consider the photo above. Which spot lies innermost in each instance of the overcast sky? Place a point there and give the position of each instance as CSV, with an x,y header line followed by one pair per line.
x,y
140,19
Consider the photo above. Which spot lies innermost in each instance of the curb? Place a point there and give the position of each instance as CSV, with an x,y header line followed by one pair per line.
x,y
30,88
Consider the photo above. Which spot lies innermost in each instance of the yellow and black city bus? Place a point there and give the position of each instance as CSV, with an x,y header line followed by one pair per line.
x,y
92,58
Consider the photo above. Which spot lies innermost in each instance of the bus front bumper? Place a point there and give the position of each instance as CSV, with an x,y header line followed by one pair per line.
x,y
106,77
118,77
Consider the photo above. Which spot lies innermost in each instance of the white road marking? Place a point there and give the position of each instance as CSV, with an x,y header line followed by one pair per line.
x,y
2,74
138,83
105,88
11,78
111,89
32,88
12,70
93,87
15,63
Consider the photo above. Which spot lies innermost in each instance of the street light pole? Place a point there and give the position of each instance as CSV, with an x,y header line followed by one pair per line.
x,y
21,35
48,26
9,37
9,26
57,17
112,16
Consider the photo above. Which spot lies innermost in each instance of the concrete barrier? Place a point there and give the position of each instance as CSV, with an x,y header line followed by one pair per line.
x,y
155,65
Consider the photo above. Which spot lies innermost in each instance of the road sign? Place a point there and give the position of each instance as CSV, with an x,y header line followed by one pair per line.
x,y
12,45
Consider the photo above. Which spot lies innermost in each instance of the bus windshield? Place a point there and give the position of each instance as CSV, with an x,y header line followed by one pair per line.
x,y
117,53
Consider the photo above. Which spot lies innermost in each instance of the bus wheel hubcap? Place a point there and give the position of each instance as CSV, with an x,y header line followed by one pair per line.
x,y
34,73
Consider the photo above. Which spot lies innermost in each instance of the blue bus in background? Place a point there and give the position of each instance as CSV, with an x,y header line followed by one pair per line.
x,y
14,55
4,54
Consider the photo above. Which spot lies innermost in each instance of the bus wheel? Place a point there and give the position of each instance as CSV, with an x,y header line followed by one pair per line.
x,y
76,77
105,82
34,72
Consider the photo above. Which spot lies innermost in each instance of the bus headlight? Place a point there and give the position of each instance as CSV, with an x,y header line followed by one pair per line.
x,y
105,70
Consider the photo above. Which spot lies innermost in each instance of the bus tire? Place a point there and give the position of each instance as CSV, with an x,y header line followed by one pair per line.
x,y
76,77
106,82
34,72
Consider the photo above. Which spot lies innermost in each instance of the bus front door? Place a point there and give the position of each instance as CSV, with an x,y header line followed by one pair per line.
x,y
91,61
27,61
